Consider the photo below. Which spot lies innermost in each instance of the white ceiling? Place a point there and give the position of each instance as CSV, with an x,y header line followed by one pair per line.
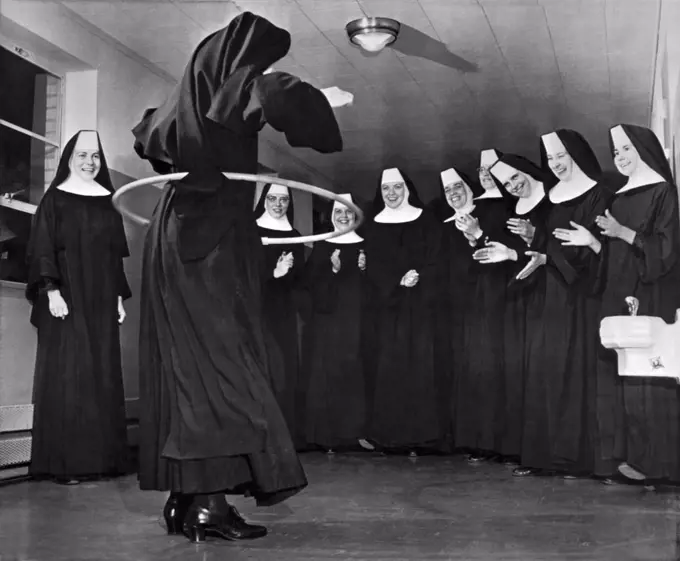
x,y
521,68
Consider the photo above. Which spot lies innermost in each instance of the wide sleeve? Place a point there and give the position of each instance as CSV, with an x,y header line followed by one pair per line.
x,y
656,247
42,253
293,107
122,252
321,282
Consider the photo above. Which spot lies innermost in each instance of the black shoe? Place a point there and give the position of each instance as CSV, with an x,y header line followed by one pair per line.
x,y
174,512
200,522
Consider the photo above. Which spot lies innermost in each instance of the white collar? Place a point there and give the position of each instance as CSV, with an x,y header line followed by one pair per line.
x,y
490,194
350,237
525,205
643,176
271,223
405,213
74,184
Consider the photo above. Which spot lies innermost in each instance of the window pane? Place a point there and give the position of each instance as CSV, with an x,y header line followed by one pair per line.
x,y
29,96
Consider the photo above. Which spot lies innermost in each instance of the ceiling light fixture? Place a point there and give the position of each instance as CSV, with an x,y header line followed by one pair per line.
x,y
373,34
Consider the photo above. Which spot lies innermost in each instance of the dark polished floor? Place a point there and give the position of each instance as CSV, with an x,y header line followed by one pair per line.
x,y
360,506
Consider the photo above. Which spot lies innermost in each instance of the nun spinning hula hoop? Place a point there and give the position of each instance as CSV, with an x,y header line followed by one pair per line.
x,y
117,201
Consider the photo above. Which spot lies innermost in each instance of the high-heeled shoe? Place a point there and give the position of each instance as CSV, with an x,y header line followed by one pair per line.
x,y
201,522
175,511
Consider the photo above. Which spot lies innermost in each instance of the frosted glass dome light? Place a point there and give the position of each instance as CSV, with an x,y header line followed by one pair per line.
x,y
372,34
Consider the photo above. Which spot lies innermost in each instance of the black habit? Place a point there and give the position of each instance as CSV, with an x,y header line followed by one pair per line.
x,y
77,246
209,418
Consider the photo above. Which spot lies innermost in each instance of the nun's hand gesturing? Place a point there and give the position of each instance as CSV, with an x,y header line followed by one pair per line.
x,y
410,279
494,252
361,262
469,225
579,236
335,260
537,260
612,228
523,228
121,310
283,265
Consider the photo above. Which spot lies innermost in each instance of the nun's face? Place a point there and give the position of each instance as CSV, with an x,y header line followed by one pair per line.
x,y
393,194
277,205
456,194
486,180
518,185
343,218
626,158
85,164
561,164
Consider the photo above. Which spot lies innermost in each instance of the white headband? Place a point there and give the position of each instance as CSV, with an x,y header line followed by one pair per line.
x,y
276,189
503,172
553,144
488,158
391,175
87,140
450,176
346,196
619,136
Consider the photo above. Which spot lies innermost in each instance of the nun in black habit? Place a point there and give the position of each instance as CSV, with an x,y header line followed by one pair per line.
x,y
209,423
478,392
403,244
77,286
556,433
274,215
639,258
522,184
333,342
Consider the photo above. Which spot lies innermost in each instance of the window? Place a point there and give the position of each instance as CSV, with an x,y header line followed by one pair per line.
x,y
30,115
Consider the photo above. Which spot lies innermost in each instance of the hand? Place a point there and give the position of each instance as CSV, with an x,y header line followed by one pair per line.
x,y
121,310
335,260
523,228
469,225
57,304
494,252
283,265
537,260
610,226
362,260
410,279
579,236
337,97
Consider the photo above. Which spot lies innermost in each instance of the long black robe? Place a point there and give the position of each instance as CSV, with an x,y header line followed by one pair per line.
x,y
648,435
333,348
209,420
77,246
522,329
404,412
559,394
280,306
478,392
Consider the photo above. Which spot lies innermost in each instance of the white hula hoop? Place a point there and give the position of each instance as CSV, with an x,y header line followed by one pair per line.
x,y
118,195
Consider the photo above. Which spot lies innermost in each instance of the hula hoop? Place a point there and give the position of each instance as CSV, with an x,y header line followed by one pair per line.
x,y
122,209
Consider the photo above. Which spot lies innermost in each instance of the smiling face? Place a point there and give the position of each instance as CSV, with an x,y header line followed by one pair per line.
x,y
85,164
626,157
561,164
343,218
456,195
276,204
393,194
485,179
515,182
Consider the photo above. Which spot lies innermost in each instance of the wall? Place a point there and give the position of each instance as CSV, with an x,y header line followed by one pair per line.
x,y
666,92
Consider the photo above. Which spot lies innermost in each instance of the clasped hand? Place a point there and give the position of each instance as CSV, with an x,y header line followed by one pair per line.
x,y
336,263
284,264
469,225
522,228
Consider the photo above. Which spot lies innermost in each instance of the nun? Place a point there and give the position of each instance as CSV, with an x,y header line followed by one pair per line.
x,y
639,258
210,424
454,290
77,286
335,279
275,214
403,242
478,392
522,183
